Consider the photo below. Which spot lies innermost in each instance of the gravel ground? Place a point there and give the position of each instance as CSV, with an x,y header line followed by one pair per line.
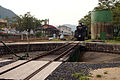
x,y
106,74
5,63
65,70
100,57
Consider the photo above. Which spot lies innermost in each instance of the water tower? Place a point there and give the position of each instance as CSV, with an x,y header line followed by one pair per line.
x,y
100,25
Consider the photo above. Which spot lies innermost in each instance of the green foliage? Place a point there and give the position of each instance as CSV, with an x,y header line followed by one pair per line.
x,y
116,14
84,78
61,79
38,34
105,72
78,75
112,41
81,76
26,22
86,20
90,75
98,76
105,4
118,66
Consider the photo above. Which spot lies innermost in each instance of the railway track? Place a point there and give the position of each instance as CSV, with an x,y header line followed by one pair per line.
x,y
60,52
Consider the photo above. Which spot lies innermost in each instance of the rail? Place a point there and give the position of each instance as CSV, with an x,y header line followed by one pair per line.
x,y
47,64
47,53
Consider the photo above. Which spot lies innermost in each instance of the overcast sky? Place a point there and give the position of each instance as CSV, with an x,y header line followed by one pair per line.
x,y
58,11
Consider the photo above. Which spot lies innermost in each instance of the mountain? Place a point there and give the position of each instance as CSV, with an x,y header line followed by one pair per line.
x,y
6,13
73,27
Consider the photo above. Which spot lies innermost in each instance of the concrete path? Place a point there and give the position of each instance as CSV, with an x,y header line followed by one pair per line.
x,y
11,65
25,70
45,72
4,60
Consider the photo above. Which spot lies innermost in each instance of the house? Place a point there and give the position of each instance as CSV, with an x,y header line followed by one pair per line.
x,y
65,30
48,30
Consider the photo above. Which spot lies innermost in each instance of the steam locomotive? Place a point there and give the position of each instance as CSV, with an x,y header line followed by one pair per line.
x,y
80,32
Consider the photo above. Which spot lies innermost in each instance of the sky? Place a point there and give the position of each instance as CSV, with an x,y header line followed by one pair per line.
x,y
57,11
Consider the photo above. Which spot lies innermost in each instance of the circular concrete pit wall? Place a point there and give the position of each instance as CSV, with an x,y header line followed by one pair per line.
x,y
100,53
92,50
16,48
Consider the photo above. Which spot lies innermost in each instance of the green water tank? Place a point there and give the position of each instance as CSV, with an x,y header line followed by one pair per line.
x,y
101,16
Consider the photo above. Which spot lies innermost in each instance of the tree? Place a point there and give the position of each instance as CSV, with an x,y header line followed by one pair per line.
x,y
116,14
105,4
45,21
28,22
19,21
37,23
116,19
86,20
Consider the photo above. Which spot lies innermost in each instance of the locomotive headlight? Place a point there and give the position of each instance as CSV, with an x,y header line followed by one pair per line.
x,y
79,36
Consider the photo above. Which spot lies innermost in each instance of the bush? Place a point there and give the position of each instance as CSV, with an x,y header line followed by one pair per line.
x,y
98,76
81,76
38,34
105,72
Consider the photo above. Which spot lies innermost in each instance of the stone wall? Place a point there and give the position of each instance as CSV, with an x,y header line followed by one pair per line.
x,y
2,37
103,47
90,46
16,48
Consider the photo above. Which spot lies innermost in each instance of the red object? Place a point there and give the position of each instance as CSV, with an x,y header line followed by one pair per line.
x,y
3,33
48,26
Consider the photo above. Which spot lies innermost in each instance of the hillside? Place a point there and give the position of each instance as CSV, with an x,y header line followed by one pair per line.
x,y
6,13
73,27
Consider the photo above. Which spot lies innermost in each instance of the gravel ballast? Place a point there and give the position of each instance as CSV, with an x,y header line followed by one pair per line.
x,y
65,70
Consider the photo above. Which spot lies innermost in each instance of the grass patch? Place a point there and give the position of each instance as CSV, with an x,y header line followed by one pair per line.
x,y
105,72
78,75
61,79
82,76
88,40
112,41
107,41
55,40
118,66
98,76
90,75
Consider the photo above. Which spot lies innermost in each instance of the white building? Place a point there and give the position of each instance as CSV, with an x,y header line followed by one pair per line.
x,y
65,30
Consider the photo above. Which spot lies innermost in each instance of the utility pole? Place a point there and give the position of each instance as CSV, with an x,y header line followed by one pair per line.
x,y
48,27
48,21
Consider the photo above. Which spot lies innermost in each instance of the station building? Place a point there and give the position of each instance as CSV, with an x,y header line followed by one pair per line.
x,y
48,30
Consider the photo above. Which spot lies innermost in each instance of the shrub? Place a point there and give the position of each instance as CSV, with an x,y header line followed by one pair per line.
x,y
98,76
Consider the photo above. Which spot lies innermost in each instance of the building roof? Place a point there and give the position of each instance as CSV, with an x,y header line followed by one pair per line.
x,y
49,26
